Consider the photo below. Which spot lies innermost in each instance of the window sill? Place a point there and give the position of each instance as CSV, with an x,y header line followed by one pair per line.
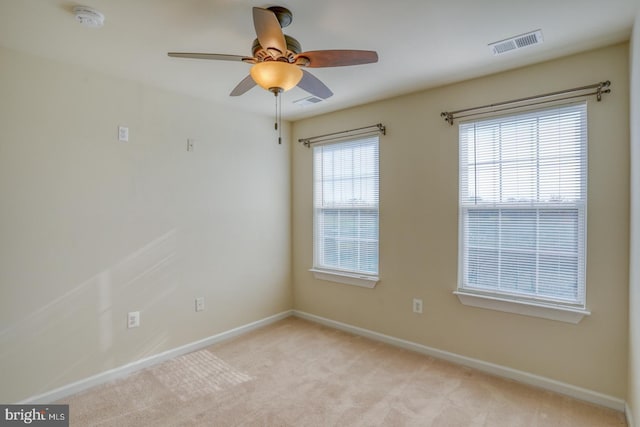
x,y
561,314
346,278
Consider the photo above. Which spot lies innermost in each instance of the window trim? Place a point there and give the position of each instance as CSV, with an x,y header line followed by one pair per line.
x,y
526,308
525,305
344,276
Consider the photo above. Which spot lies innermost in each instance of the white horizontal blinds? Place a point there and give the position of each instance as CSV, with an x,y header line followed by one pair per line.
x,y
346,194
523,203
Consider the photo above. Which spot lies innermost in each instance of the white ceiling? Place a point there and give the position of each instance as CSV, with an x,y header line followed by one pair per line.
x,y
420,43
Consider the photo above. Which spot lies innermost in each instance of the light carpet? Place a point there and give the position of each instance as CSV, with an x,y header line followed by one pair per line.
x,y
298,373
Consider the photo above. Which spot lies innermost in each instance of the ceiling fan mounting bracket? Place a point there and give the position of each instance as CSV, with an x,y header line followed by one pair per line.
x,y
283,15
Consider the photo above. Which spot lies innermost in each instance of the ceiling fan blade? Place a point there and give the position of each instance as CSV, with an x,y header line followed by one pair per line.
x,y
216,56
337,58
315,87
246,84
268,30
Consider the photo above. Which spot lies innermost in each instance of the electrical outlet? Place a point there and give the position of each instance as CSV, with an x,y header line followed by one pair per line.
x,y
417,305
123,133
200,304
133,319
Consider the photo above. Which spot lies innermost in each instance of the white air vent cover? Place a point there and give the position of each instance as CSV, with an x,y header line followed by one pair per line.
x,y
309,100
517,42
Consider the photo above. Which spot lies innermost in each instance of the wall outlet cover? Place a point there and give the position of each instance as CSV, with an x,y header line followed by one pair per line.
x,y
133,319
200,304
417,305
123,133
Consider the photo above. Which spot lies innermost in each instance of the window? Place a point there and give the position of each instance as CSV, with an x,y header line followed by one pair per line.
x,y
346,188
523,203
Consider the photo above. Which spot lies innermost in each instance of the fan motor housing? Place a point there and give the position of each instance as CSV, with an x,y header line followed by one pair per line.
x,y
293,48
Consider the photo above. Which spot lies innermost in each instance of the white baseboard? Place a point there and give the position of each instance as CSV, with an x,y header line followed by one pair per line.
x,y
491,368
498,370
119,372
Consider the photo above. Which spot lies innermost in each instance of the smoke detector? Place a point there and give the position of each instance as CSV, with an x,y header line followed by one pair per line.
x,y
88,16
517,42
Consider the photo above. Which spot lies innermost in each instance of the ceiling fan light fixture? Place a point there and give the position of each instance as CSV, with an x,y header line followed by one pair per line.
x,y
274,75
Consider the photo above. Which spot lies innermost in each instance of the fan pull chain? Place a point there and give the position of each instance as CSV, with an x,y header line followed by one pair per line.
x,y
275,125
279,120
278,123
279,117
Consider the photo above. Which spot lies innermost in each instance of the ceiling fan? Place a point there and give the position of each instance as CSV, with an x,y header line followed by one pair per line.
x,y
278,60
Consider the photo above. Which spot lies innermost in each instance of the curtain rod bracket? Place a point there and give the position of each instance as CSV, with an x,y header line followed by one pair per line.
x,y
448,117
600,91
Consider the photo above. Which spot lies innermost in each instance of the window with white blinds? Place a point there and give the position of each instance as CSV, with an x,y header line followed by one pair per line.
x,y
346,188
523,199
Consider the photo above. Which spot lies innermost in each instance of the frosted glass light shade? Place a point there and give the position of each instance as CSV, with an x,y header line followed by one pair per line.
x,y
276,74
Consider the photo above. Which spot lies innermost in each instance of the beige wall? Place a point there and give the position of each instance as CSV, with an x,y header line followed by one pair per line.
x,y
91,228
419,239
633,397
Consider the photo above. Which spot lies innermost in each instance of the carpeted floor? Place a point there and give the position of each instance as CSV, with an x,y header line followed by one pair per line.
x,y
297,373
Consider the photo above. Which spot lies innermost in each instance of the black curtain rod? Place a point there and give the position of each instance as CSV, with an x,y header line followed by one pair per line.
x,y
600,88
377,128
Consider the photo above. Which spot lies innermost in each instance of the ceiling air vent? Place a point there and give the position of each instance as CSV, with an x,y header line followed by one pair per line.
x,y
309,100
517,42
